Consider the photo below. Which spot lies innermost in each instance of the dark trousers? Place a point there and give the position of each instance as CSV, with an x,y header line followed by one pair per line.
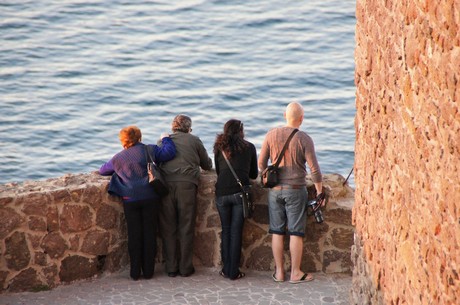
x,y
230,209
141,218
177,227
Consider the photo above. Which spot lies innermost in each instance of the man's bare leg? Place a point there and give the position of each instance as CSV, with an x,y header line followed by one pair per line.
x,y
278,249
296,249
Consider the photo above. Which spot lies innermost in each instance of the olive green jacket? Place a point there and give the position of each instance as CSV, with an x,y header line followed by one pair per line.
x,y
191,155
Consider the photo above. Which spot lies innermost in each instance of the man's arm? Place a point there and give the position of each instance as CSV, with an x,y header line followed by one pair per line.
x,y
205,161
264,155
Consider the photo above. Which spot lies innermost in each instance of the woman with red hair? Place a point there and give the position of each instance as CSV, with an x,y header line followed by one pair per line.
x,y
140,202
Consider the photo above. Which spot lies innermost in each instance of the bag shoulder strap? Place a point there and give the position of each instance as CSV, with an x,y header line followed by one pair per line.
x,y
232,170
281,155
148,157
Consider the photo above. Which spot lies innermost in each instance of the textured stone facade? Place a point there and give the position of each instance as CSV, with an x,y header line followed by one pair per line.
x,y
407,156
69,228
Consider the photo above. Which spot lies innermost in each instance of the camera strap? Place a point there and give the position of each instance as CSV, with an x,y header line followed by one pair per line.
x,y
281,155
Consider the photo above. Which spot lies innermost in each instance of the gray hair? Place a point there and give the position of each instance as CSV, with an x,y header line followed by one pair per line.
x,y
181,123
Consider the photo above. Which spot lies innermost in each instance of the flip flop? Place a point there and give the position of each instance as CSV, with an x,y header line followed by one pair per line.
x,y
275,279
305,278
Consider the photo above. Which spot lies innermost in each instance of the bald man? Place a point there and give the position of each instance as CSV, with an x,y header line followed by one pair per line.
x,y
287,200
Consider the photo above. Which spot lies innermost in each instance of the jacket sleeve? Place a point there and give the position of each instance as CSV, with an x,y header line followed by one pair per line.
x,y
216,162
165,152
205,161
107,168
253,171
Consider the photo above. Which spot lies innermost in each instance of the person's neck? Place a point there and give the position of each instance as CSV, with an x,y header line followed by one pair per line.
x,y
293,125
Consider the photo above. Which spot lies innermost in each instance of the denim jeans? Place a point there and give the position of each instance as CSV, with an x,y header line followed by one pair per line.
x,y
287,211
230,209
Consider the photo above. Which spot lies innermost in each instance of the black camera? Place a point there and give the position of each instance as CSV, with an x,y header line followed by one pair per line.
x,y
314,208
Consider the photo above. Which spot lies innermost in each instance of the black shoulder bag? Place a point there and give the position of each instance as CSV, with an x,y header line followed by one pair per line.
x,y
155,177
248,205
269,177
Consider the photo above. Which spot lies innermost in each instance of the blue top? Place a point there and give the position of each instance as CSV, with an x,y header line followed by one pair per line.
x,y
129,170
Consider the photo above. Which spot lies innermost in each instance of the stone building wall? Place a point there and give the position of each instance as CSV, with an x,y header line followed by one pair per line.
x,y
69,228
407,154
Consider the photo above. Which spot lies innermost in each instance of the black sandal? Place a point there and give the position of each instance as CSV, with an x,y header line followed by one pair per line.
x,y
221,272
239,276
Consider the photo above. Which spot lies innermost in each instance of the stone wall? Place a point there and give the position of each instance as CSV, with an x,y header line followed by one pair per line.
x,y
69,228
407,154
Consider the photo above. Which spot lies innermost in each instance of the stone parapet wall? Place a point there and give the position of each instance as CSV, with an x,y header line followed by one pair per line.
x,y
69,228
58,231
407,154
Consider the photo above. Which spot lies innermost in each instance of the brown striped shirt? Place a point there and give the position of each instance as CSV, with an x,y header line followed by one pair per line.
x,y
301,151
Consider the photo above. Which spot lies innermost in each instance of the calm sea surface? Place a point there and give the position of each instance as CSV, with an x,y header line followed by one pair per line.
x,y
74,72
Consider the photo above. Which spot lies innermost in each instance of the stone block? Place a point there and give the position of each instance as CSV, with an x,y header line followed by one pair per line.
x,y
261,213
316,231
54,245
260,259
205,252
34,203
342,238
213,221
312,253
74,242
96,243
17,253
37,223
61,196
4,201
50,273
76,267
40,259
93,196
117,258
76,195
107,217
338,215
25,280
10,221
75,218
310,262
252,234
52,219
35,238
3,276
334,260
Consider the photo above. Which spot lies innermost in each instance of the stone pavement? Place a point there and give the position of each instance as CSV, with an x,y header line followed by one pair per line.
x,y
206,286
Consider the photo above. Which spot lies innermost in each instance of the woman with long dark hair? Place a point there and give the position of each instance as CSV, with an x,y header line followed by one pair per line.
x,y
242,156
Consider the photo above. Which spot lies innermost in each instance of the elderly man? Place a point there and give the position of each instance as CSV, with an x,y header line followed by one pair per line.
x,y
178,208
286,201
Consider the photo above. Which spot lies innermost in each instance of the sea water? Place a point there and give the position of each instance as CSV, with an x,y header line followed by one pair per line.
x,y
74,72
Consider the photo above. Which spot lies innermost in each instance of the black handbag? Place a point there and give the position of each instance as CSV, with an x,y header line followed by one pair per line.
x,y
270,176
248,205
155,175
